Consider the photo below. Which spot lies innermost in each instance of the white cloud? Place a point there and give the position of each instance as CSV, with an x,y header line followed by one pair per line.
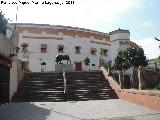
x,y
84,13
150,46
147,24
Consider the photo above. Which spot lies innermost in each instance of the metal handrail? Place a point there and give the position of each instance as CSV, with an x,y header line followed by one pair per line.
x,y
65,85
64,78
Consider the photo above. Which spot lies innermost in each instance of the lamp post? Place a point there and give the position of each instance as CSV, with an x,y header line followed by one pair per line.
x,y
17,50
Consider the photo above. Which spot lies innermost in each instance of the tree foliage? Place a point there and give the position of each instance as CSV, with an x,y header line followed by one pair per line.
x,y
136,57
86,61
121,61
158,60
131,57
3,23
103,51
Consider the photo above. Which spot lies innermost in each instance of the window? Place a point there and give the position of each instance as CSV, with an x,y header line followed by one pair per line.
x,y
93,51
78,49
43,48
60,48
93,65
24,45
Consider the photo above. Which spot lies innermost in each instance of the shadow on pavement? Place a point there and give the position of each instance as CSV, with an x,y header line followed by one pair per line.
x,y
23,111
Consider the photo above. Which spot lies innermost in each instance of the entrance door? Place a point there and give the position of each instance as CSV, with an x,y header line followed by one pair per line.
x,y
78,66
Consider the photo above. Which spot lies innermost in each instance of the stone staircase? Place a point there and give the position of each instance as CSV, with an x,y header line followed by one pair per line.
x,y
40,87
83,86
49,87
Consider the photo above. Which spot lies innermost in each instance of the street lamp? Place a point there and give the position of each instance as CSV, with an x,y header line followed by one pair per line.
x,y
17,49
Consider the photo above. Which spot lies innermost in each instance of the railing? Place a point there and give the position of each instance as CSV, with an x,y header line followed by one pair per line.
x,y
65,84
64,78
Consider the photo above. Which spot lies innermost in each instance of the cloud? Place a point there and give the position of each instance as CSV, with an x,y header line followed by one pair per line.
x,y
147,24
150,46
84,13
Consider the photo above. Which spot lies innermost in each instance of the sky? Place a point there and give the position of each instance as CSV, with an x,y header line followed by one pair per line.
x,y
140,17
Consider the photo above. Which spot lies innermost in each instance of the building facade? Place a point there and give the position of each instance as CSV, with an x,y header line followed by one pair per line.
x,y
40,44
8,64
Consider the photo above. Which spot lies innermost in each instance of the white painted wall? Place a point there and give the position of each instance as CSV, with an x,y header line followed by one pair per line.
x,y
13,78
119,35
69,43
69,49
5,45
151,64
114,50
115,43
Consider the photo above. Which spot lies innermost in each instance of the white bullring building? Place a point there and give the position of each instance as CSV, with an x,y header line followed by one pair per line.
x,y
41,43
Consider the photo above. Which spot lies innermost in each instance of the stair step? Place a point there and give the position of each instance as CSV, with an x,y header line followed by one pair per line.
x,y
49,87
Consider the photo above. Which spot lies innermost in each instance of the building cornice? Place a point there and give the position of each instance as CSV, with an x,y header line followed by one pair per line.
x,y
119,31
120,40
100,43
36,37
66,30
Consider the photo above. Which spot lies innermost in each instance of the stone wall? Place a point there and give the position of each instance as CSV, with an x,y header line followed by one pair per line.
x,y
16,75
146,98
152,78
63,67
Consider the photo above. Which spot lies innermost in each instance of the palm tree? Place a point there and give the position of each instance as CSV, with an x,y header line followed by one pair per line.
x,y
103,52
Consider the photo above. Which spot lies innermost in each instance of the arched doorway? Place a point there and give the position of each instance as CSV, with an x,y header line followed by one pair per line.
x,y
43,66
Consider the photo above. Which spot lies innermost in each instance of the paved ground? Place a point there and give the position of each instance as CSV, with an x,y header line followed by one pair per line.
x,y
84,110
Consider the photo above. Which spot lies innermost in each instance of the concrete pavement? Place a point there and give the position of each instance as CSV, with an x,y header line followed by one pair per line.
x,y
83,110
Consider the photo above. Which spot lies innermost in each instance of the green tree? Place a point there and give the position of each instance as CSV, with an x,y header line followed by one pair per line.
x,y
86,61
158,60
121,61
136,57
131,57
3,23
103,52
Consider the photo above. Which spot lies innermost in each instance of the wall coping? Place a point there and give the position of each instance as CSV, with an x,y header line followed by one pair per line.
x,y
143,92
147,98
134,91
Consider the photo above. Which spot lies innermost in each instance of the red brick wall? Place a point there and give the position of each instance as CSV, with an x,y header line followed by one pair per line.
x,y
145,98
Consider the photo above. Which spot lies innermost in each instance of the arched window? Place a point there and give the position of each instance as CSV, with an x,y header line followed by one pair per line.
x,y
43,66
78,49
43,63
